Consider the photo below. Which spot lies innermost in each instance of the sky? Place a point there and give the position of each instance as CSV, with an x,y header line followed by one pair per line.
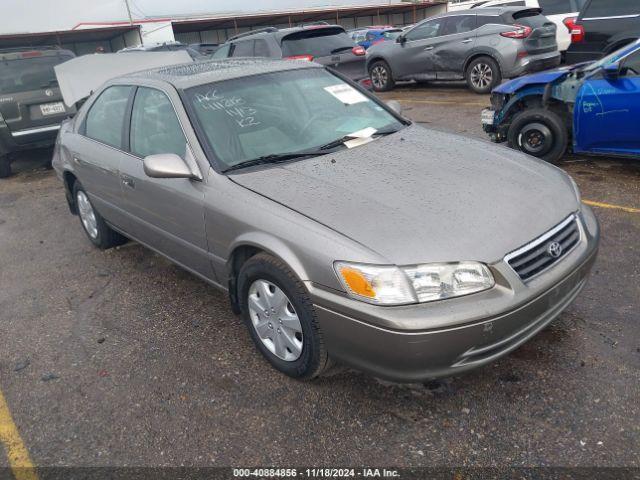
x,y
21,16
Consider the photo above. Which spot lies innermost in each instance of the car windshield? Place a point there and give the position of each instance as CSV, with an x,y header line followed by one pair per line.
x,y
28,74
283,113
613,57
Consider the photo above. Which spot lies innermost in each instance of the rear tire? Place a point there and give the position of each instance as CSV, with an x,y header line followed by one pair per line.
x,y
483,75
381,76
5,166
97,230
539,132
276,307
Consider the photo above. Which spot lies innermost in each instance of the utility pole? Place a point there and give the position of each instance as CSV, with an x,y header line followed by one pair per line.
x,y
126,2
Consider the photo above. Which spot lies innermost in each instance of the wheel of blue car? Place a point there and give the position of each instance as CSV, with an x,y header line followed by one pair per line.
x,y
280,316
539,132
381,76
5,166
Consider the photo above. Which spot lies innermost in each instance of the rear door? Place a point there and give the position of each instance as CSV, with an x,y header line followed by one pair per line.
x,y
166,214
99,148
329,46
450,50
414,58
30,101
606,23
607,112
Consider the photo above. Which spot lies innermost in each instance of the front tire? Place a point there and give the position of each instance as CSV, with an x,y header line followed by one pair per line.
x,y
97,230
279,314
381,76
483,75
539,132
5,166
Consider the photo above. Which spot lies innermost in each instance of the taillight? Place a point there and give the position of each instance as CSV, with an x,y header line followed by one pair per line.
x,y
359,50
575,29
308,58
519,32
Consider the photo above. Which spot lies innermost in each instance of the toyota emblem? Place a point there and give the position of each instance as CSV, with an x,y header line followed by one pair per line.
x,y
554,249
48,92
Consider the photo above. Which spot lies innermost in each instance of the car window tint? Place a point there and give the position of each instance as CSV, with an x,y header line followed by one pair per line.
x,y
557,7
28,74
425,30
482,20
154,125
458,24
318,42
260,48
243,49
631,65
608,8
105,120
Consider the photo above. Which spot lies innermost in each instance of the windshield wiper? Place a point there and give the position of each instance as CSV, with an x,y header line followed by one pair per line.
x,y
274,158
346,138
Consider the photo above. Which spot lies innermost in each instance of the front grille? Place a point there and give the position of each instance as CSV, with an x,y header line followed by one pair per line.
x,y
546,250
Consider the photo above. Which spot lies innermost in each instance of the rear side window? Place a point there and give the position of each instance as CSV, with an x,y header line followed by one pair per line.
x,y
105,120
31,73
558,7
482,20
609,8
243,49
155,127
320,42
458,24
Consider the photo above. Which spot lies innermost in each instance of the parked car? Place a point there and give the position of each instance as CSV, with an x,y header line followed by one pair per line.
x,y
31,107
325,44
371,35
560,12
603,27
327,217
480,46
589,108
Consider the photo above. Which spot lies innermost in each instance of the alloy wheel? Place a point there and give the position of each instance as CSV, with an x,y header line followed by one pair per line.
x,y
275,320
379,76
87,215
481,76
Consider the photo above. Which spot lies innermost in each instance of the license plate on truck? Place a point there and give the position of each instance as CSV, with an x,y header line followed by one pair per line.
x,y
52,108
487,116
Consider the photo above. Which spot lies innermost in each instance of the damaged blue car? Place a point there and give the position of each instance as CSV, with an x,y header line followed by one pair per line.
x,y
589,108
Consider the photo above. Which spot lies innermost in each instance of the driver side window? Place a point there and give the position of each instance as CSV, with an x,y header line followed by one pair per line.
x,y
631,65
425,30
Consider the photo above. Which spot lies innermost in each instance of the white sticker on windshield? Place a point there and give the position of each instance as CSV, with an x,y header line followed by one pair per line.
x,y
346,94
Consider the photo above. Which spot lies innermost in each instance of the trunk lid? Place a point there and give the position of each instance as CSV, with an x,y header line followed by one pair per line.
x,y
543,38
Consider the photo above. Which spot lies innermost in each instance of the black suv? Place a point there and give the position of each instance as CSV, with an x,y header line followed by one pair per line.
x,y
325,44
603,27
31,106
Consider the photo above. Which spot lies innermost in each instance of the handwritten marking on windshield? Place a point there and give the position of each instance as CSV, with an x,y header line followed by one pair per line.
x,y
235,107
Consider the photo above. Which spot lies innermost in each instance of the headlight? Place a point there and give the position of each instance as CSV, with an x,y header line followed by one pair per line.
x,y
391,285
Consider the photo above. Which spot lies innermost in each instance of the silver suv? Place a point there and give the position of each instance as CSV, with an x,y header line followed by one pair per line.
x,y
480,46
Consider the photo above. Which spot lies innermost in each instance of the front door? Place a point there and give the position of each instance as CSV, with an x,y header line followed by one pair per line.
x,y
607,112
414,58
165,214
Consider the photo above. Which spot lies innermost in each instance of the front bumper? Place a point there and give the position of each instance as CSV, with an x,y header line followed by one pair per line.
x,y
467,332
535,63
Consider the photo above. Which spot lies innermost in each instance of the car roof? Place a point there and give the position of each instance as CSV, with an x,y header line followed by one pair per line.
x,y
497,10
280,33
188,75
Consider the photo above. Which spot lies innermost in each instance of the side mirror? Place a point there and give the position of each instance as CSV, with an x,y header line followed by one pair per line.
x,y
401,39
166,165
611,71
395,106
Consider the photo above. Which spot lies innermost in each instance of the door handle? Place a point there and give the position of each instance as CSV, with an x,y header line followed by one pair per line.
x,y
468,40
426,49
128,181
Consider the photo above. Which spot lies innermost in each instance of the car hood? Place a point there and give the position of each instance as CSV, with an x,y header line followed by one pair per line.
x,y
516,84
424,196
